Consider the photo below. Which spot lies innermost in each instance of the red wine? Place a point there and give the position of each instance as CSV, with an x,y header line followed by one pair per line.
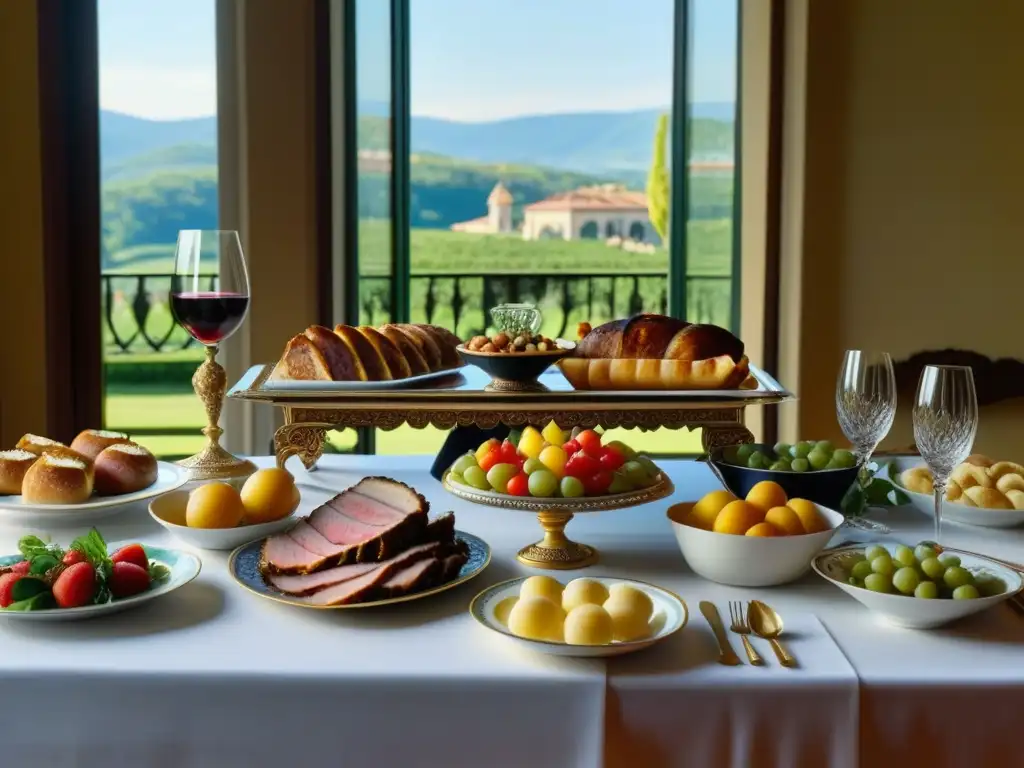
x,y
210,316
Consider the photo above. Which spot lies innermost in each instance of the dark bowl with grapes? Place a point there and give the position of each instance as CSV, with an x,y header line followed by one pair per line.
x,y
812,470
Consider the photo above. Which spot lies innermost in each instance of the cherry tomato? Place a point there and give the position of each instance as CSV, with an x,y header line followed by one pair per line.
x,y
590,442
490,458
581,465
509,454
611,459
519,485
73,556
597,483
570,447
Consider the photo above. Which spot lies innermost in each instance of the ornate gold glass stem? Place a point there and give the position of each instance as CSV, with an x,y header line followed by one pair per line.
x,y
213,462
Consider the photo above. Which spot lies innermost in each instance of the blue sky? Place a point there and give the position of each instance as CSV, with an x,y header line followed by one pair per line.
x,y
471,59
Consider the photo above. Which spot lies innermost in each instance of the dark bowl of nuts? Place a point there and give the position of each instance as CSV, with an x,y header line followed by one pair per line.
x,y
513,363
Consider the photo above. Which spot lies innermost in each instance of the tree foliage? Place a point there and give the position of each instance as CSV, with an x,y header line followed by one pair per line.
x,y
658,183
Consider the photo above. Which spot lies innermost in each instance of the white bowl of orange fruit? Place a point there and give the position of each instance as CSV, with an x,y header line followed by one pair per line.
x,y
763,540
220,516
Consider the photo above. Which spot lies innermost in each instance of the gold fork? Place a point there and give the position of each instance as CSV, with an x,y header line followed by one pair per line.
x,y
739,626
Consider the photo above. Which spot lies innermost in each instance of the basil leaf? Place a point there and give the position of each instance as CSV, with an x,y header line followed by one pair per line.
x,y
42,563
854,502
31,546
42,602
93,547
877,492
28,587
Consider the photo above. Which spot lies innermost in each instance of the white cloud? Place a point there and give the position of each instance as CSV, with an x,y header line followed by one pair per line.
x,y
159,94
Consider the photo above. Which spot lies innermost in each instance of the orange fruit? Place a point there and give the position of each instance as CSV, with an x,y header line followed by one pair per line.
x,y
706,510
811,519
214,505
766,495
737,517
764,529
786,520
268,495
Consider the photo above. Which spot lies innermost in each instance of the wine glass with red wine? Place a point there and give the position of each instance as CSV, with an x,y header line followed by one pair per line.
x,y
209,299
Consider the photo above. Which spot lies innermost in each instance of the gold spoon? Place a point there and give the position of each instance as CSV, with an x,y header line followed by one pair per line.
x,y
767,624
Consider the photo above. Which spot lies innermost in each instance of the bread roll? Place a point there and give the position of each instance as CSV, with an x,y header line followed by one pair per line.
x,y
918,480
971,475
13,466
302,361
989,498
57,480
658,337
424,343
36,444
1001,468
410,351
979,460
370,361
396,362
1016,498
124,468
90,442
343,364
1010,482
953,490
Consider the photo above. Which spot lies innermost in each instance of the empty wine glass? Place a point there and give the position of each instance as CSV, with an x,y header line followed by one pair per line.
x,y
866,400
945,423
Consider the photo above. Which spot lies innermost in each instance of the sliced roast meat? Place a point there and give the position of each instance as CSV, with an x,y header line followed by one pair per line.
x,y
339,528
441,528
308,583
283,554
396,495
308,537
415,577
366,510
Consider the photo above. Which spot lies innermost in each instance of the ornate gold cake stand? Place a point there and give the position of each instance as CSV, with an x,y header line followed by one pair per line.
x,y
556,551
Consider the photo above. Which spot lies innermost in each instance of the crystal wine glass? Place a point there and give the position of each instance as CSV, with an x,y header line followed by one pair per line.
x,y
945,423
209,299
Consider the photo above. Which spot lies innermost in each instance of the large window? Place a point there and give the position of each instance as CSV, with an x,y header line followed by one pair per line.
x,y
158,158
529,151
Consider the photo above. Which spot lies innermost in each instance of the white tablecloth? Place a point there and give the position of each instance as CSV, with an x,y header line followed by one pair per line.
x,y
213,676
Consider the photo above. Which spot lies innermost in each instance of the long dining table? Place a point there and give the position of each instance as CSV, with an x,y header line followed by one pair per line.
x,y
213,676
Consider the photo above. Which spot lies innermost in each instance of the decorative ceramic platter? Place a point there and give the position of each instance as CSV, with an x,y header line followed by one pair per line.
x,y
14,509
491,607
951,510
169,511
905,611
315,388
244,567
184,567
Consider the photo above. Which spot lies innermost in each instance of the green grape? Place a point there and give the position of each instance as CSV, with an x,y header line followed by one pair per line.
x,y
878,582
744,452
818,459
646,463
825,447
923,552
927,590
875,550
782,449
622,448
758,460
833,464
779,466
861,570
949,560
854,582
636,473
456,477
543,483
572,487
532,465
906,580
966,592
844,458
464,462
801,450
989,585
955,576
477,478
619,483
933,568
884,565
499,475
904,555
800,465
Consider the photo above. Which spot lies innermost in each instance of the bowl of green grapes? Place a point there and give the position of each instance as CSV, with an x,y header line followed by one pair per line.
x,y
918,587
810,469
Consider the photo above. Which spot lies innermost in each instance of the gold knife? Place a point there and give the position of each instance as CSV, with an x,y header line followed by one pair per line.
x,y
726,655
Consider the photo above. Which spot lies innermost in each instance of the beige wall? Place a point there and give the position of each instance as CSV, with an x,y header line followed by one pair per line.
x,y
912,223
23,371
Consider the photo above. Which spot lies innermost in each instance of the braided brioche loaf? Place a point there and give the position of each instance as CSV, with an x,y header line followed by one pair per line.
x,y
656,352
350,353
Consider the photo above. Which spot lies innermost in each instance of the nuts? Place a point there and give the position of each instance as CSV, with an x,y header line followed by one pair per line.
x,y
503,343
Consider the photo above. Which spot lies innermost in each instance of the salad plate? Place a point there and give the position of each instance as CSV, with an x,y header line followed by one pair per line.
x,y
182,568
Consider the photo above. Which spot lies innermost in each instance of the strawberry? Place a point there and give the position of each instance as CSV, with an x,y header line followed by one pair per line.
x,y
7,582
132,553
73,556
21,568
76,586
127,579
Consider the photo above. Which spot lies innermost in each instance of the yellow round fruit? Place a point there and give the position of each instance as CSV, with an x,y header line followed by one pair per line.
x,y
268,495
588,624
811,519
766,495
786,520
542,586
214,505
706,510
583,592
504,608
764,530
737,518
631,615
537,618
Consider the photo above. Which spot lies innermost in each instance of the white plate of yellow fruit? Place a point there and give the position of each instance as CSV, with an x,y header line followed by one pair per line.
x,y
587,617
222,517
763,540
980,491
